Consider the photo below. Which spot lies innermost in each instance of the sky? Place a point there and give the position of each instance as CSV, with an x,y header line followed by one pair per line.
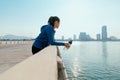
x,y
25,17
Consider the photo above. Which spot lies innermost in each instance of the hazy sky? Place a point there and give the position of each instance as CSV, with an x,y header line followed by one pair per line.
x,y
25,17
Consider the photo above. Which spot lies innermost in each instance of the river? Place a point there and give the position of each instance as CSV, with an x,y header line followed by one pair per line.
x,y
92,60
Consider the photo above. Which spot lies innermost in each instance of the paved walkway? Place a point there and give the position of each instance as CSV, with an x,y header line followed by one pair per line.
x,y
13,54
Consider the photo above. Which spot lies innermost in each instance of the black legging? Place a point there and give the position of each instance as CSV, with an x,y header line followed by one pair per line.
x,y
35,50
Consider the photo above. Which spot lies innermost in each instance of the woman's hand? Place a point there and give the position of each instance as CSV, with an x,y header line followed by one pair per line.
x,y
67,45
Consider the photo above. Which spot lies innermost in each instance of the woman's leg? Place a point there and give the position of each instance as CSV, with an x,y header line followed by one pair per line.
x,y
35,50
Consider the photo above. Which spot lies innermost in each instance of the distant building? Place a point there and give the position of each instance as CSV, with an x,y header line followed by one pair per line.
x,y
74,37
88,37
69,38
98,36
104,33
84,36
62,37
113,38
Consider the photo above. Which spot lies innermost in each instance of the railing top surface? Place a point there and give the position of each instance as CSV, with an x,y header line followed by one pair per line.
x,y
41,66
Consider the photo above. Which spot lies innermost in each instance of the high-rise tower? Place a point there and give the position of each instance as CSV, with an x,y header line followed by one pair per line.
x,y
104,33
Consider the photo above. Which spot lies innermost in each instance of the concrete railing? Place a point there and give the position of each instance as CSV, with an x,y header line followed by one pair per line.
x,y
45,65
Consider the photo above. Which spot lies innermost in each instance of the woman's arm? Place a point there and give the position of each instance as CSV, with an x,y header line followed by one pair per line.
x,y
50,33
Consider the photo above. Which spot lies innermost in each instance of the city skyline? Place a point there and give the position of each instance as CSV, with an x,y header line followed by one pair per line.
x,y
101,36
83,36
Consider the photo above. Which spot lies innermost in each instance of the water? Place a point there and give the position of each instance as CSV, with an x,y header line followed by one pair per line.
x,y
92,60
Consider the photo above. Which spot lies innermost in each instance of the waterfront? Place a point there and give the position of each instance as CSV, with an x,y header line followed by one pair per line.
x,y
92,60
83,61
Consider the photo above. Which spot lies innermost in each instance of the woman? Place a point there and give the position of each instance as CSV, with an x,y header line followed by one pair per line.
x,y
46,37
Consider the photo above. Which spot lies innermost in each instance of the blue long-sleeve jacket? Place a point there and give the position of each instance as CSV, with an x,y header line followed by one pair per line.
x,y
46,38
